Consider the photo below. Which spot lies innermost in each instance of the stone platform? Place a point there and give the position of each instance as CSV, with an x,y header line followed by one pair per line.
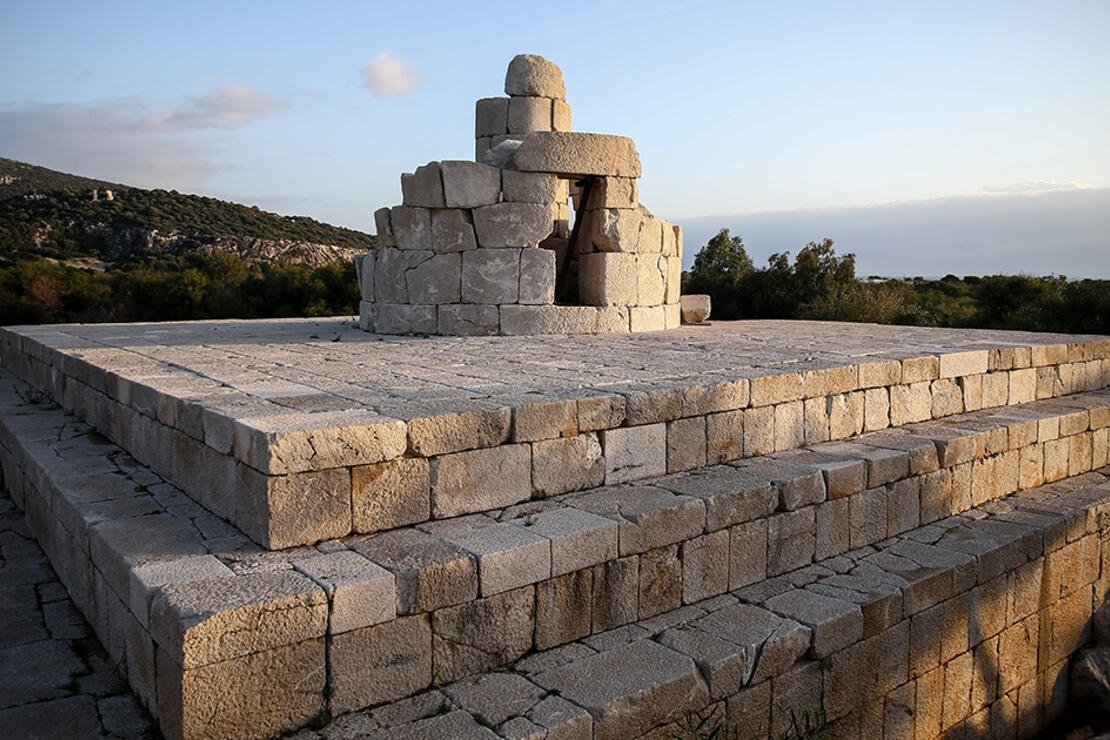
x,y
433,511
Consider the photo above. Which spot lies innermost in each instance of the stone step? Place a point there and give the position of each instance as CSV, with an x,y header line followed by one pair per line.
x,y
961,627
197,610
303,431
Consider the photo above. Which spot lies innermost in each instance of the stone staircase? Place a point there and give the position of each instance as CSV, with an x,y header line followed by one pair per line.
x,y
913,544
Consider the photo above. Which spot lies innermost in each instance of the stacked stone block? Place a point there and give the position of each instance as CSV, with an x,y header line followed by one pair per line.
x,y
479,248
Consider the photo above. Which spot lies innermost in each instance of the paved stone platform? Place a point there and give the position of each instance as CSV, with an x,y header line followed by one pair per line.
x,y
249,416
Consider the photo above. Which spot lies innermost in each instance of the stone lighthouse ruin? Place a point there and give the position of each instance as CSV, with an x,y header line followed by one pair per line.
x,y
543,234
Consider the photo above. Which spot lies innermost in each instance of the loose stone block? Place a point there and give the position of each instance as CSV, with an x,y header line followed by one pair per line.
x,y
537,277
512,224
569,464
530,187
645,684
469,184
608,279
571,153
468,320
634,452
360,592
482,634
479,480
530,74
452,231
429,572
529,113
436,280
423,188
381,663
491,117
491,276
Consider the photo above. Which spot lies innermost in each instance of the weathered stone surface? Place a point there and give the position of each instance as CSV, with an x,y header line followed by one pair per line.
x,y
452,231
435,435
835,623
478,480
468,320
436,280
771,643
395,318
615,229
491,276
383,228
512,224
482,634
568,464
429,572
705,562
537,277
562,611
469,184
695,308
648,517
578,538
295,509
508,556
529,113
380,663
608,279
423,188
495,696
576,154
630,689
561,115
530,187
634,452
529,320
491,117
360,592
531,74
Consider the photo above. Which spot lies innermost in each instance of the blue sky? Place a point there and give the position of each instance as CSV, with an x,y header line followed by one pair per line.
x,y
782,121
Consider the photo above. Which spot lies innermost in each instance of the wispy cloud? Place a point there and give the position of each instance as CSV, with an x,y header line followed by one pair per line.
x,y
1035,186
388,76
231,106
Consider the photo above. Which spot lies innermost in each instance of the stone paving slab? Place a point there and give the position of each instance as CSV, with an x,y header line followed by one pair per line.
x,y
283,427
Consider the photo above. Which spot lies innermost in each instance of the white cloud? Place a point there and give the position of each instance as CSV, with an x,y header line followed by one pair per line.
x,y
231,106
387,76
1034,186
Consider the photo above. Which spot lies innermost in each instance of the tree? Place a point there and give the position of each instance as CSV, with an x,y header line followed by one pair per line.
x,y
720,268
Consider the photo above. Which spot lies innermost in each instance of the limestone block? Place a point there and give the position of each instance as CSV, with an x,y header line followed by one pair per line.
x,y
567,464
392,318
686,444
878,374
531,74
660,581
197,623
645,685
482,634
508,556
527,320
772,643
528,113
575,154
789,425
615,593
957,364
651,279
615,229
597,412
672,316
429,572
608,279
731,495
634,452
678,238
389,273
412,227
530,187
390,494
791,540
384,228
495,696
724,434
423,188
705,563
537,277
360,592
296,509
673,282
468,320
650,240
578,538
561,615
438,433
948,398
482,149
724,665
835,623
452,231
695,309
147,577
876,409
910,403
478,480
617,192
491,117
469,184
491,276
436,280
649,517
381,663
366,276
265,693
512,224
561,116
647,318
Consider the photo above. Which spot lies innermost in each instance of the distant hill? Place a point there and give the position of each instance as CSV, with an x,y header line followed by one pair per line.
x,y
44,213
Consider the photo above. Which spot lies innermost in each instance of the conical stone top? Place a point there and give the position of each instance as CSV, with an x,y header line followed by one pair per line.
x,y
532,75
